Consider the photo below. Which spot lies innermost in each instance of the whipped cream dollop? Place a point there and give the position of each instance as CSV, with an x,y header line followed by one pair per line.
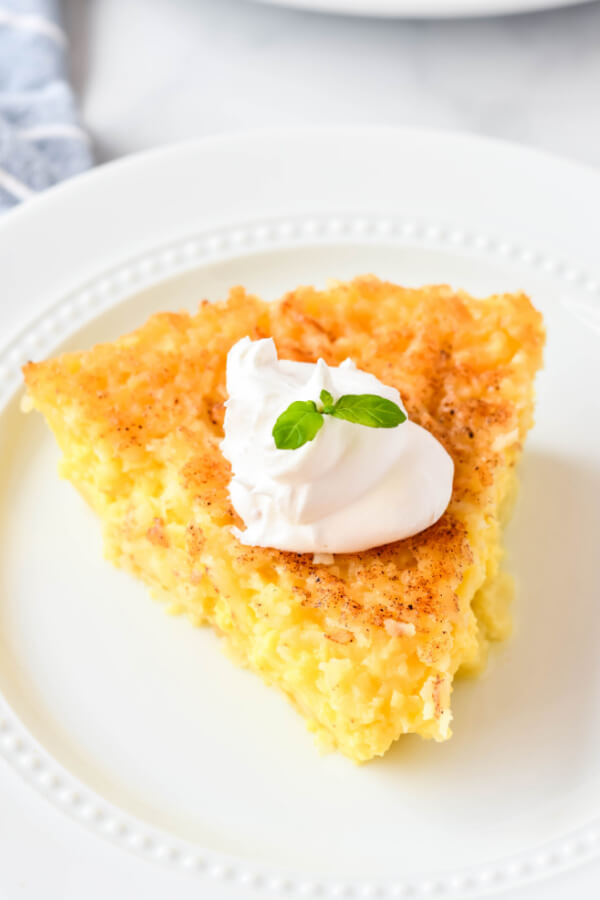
x,y
351,488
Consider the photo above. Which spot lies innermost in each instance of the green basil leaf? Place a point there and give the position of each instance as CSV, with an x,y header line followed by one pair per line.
x,y
368,409
296,425
327,401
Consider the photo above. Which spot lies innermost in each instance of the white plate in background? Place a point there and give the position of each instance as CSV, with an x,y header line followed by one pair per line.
x,y
425,9
134,723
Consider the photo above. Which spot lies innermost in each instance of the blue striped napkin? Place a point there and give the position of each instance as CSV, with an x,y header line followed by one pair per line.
x,y
41,141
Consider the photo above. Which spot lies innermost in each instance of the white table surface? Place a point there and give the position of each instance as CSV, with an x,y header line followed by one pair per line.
x,y
154,71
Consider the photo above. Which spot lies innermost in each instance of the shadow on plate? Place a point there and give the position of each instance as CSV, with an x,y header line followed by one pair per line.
x,y
544,682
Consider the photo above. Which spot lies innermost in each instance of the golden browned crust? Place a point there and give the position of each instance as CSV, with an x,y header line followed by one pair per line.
x,y
464,368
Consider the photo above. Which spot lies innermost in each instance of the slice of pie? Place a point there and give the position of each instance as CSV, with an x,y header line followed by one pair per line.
x,y
367,647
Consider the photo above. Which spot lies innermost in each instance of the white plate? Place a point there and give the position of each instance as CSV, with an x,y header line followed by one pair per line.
x,y
134,722
425,9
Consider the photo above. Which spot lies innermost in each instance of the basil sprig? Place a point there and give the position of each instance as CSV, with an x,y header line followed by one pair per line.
x,y
302,420
298,424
